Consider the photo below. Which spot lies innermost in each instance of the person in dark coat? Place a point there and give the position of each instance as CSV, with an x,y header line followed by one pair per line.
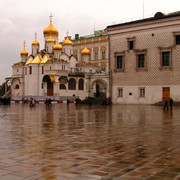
x,y
171,103
165,105
68,101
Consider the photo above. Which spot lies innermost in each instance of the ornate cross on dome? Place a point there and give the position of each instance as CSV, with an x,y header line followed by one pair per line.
x,y
50,17
35,35
24,43
67,33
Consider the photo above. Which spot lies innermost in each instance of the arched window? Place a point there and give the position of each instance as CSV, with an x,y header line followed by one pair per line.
x,y
96,54
103,53
17,86
63,79
81,84
62,86
72,84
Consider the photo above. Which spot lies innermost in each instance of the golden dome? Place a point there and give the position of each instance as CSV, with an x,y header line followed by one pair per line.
x,y
57,46
35,43
85,52
67,42
50,30
50,40
24,52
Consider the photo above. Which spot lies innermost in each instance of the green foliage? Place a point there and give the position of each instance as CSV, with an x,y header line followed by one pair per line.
x,y
2,89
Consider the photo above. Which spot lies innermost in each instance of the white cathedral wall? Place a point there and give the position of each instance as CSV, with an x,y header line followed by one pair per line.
x,y
80,93
153,94
32,82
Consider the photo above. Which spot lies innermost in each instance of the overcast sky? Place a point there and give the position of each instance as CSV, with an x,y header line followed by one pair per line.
x,y
20,19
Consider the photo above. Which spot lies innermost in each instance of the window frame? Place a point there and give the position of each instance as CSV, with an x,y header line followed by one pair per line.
x,y
81,84
103,53
17,86
72,86
62,86
120,92
161,51
129,40
138,53
117,54
30,69
96,54
142,92
175,38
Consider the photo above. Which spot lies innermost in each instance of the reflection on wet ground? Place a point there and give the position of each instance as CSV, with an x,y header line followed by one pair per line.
x,y
89,142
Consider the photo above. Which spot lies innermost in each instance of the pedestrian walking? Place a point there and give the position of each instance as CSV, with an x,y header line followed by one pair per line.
x,y
165,105
68,101
171,103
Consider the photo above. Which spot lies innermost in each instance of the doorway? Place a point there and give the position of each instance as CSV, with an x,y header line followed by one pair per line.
x,y
166,93
49,80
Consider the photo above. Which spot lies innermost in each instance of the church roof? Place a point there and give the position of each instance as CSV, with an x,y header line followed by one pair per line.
x,y
45,59
19,64
157,16
36,60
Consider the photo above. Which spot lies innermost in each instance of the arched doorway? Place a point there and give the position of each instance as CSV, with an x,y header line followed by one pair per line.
x,y
99,88
49,80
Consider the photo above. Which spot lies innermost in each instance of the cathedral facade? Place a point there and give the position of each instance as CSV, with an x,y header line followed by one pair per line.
x,y
77,68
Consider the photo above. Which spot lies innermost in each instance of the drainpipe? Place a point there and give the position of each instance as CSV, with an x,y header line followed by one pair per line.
x,y
110,72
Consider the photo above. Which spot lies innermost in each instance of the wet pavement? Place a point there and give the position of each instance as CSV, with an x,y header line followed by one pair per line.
x,y
89,142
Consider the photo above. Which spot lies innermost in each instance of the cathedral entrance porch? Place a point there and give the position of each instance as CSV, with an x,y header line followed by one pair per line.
x,y
48,81
99,88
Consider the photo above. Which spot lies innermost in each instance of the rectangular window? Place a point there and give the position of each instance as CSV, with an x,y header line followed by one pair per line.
x,y
96,55
25,71
178,39
131,45
103,54
142,92
42,69
120,92
165,59
41,85
119,62
141,61
30,70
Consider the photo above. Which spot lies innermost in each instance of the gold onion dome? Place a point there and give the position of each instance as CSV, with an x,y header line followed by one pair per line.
x,y
67,42
57,46
85,52
50,40
24,52
35,43
50,30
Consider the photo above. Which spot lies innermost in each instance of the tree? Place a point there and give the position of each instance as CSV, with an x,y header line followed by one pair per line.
x,y
2,89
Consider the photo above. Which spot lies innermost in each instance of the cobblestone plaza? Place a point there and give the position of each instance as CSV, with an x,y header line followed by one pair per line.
x,y
89,142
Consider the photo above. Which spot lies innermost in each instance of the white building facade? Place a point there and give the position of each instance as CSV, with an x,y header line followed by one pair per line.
x,y
145,60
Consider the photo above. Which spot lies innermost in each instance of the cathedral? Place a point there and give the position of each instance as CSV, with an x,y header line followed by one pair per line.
x,y
73,68
135,62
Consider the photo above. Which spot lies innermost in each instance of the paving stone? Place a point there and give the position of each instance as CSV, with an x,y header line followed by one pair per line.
x,y
89,143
